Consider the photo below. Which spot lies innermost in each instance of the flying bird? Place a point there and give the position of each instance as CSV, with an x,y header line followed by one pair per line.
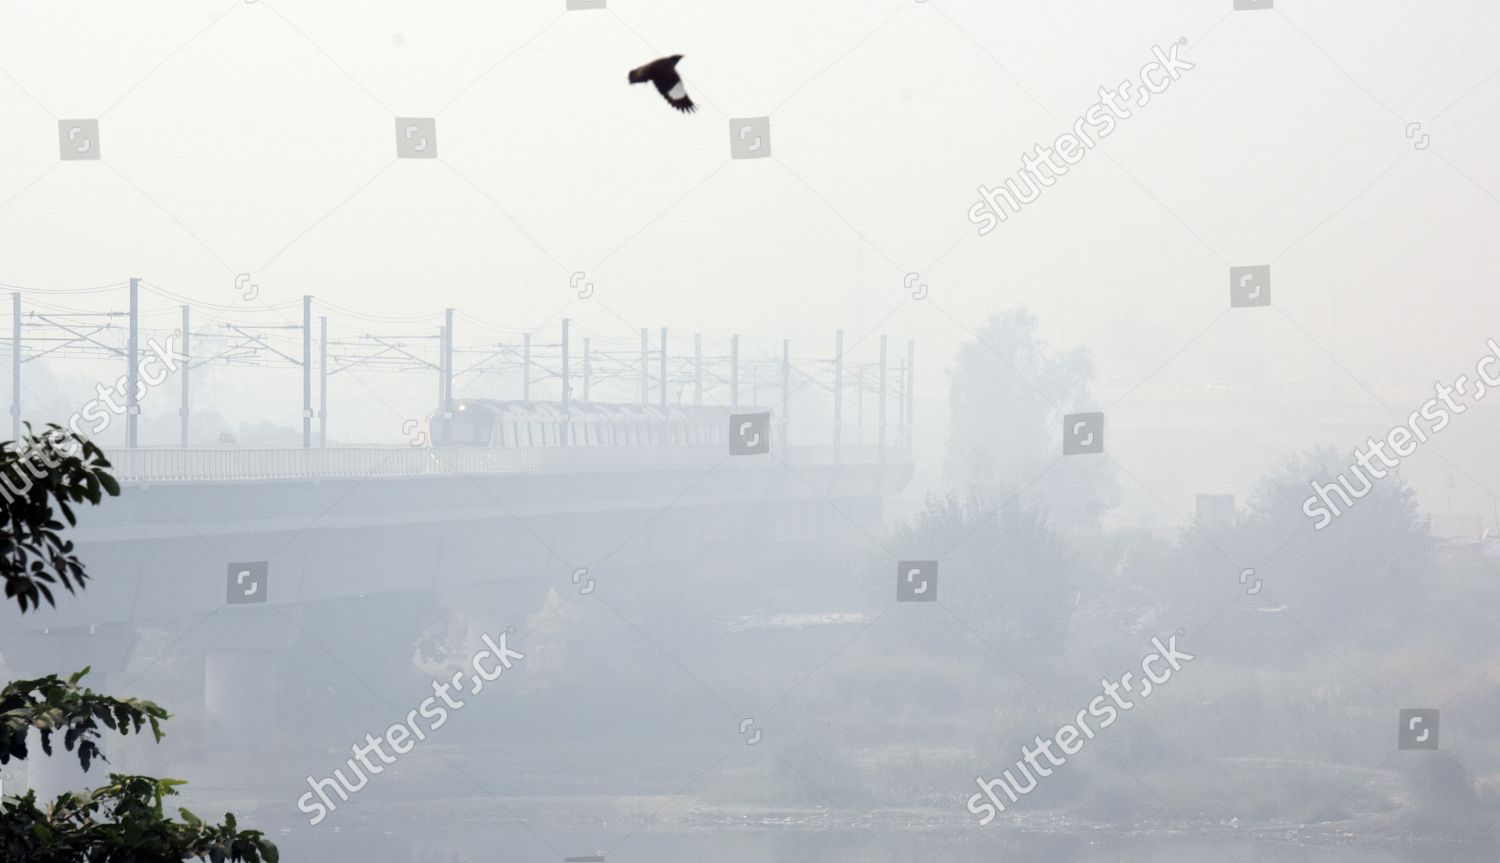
x,y
663,73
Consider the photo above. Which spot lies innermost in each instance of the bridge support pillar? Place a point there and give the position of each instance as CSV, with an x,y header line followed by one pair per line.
x,y
239,678
239,698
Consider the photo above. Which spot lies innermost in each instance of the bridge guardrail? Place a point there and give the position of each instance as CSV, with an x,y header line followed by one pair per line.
x,y
237,464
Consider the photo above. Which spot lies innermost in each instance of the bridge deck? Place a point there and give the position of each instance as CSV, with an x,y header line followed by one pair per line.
x,y
236,464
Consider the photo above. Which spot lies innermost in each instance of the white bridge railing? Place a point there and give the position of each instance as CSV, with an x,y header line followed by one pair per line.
x,y
235,464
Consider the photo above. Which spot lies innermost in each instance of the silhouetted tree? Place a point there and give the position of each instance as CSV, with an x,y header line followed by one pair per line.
x,y
1002,569
1007,400
1354,578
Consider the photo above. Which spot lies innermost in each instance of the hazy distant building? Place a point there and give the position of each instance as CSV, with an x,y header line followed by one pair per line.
x,y
1214,510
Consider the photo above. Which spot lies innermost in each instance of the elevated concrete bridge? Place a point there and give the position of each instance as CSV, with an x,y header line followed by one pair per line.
x,y
327,523
244,538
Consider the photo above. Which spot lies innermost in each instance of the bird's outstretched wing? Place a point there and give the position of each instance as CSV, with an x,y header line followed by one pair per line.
x,y
671,88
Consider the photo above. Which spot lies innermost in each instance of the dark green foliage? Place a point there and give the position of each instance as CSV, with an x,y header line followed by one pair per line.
x,y
52,705
123,821
41,477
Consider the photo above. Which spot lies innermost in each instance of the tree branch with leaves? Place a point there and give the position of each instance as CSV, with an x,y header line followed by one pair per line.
x,y
43,477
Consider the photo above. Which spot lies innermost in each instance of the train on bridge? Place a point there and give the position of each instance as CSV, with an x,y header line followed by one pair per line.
x,y
524,424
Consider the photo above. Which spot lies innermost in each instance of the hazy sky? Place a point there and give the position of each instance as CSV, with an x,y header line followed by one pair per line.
x,y
259,137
